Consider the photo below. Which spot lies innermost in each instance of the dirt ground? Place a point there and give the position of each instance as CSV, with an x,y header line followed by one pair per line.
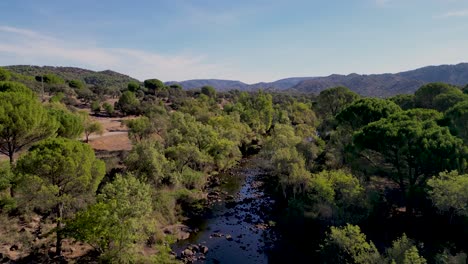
x,y
115,136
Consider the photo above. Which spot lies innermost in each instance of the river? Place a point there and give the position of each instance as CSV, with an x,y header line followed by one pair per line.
x,y
238,228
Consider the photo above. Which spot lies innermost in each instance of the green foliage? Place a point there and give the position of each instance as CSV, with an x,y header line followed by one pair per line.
x,y
90,126
140,128
405,101
449,192
335,195
128,103
85,94
23,120
331,101
76,84
147,162
5,75
364,111
59,175
208,91
443,102
50,78
108,108
414,146
402,250
425,97
96,107
119,222
15,87
458,120
348,245
412,257
256,110
133,87
70,124
288,164
154,85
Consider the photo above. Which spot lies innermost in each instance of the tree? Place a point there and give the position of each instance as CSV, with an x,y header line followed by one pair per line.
x,y
133,87
23,121
60,175
51,78
96,107
444,101
154,85
365,111
405,101
108,108
348,245
147,162
15,87
331,101
458,120
414,148
208,91
70,124
128,103
424,96
449,192
118,222
256,110
5,75
140,128
403,251
76,84
336,195
93,127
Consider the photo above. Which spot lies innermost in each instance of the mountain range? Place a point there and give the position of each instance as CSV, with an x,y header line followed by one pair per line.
x,y
377,85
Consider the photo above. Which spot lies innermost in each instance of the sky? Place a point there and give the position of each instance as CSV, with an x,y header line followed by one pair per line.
x,y
246,40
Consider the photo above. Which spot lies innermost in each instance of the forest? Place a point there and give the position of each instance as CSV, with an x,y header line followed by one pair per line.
x,y
354,179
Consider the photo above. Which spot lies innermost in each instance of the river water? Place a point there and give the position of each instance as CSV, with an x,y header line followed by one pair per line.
x,y
238,229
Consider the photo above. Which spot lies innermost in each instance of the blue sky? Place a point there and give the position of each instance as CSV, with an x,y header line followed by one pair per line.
x,y
251,41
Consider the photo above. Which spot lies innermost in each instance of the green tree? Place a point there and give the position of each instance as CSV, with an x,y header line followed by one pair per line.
x,y
331,101
458,120
128,103
59,176
5,75
405,101
133,87
140,128
449,192
256,110
90,126
413,146
118,222
23,121
154,85
348,245
108,108
366,110
50,78
76,84
96,107
443,102
147,162
208,91
15,87
70,124
336,195
403,251
424,97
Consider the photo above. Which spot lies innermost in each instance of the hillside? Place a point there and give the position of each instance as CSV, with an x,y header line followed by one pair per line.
x,y
220,85
382,85
106,78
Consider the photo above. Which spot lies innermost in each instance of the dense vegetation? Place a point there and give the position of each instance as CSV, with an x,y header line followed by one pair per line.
x,y
357,180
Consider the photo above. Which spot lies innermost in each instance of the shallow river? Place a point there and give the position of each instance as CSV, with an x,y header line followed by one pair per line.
x,y
238,228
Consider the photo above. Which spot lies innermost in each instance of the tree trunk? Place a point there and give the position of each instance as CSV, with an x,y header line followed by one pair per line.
x,y
58,245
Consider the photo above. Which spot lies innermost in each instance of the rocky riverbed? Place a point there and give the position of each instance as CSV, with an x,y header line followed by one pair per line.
x,y
238,228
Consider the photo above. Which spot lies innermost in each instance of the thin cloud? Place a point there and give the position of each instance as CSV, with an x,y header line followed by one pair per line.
x,y
460,13
31,47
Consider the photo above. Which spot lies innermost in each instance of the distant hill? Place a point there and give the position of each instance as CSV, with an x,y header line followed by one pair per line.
x,y
220,85
377,85
382,85
106,78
